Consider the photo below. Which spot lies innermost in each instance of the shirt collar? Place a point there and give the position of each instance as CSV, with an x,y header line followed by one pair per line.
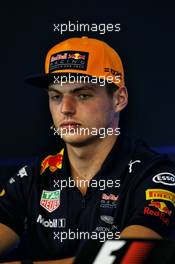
x,y
116,160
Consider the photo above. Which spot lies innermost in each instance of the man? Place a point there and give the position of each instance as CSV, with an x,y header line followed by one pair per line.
x,y
99,185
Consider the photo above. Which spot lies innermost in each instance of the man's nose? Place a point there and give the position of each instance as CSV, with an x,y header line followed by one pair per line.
x,y
68,105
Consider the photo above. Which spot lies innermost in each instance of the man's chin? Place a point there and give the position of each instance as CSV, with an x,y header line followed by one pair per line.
x,y
78,141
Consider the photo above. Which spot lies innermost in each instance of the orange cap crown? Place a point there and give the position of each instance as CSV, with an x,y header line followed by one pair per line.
x,y
85,56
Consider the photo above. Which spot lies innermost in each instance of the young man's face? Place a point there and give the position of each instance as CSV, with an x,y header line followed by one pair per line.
x,y
81,106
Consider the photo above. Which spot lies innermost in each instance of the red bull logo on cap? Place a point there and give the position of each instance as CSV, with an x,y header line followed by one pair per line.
x,y
161,206
53,162
68,59
58,56
76,56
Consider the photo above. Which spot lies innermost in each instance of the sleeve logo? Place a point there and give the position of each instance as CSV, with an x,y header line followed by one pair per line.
x,y
160,194
165,178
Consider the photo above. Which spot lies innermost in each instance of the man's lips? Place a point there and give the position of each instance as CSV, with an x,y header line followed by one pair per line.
x,y
69,124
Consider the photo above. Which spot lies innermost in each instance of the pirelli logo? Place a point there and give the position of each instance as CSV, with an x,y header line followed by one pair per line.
x,y
152,194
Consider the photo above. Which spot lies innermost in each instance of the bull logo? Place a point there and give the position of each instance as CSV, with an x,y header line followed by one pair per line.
x,y
53,162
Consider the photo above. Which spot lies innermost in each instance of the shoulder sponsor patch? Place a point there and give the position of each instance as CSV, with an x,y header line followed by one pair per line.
x,y
166,178
160,215
161,206
160,194
53,162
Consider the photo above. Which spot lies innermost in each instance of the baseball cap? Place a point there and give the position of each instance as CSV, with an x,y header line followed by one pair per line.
x,y
81,56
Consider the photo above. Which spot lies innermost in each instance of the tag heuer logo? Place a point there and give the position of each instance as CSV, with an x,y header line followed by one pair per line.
x,y
50,200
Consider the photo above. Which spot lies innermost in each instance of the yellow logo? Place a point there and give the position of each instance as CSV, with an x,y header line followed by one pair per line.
x,y
2,193
161,195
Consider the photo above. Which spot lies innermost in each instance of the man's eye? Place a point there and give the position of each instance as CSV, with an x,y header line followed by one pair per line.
x,y
55,97
84,96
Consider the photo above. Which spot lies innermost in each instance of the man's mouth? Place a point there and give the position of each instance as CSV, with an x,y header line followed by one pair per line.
x,y
69,124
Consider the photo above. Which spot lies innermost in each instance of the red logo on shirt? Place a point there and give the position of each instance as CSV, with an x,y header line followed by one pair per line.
x,y
159,214
52,162
110,197
161,206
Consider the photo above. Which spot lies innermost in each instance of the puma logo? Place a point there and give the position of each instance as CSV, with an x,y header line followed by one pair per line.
x,y
131,164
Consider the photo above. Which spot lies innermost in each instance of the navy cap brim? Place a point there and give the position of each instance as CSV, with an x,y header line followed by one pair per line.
x,y
44,80
40,80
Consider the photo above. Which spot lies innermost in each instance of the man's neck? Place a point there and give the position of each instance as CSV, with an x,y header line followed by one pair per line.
x,y
86,161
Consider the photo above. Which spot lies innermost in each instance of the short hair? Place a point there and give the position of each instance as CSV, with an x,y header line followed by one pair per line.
x,y
111,88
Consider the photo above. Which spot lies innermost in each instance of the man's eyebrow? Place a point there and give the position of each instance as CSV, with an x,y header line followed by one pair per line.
x,y
52,89
81,88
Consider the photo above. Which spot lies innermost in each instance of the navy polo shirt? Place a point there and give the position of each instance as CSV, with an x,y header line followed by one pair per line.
x,y
135,186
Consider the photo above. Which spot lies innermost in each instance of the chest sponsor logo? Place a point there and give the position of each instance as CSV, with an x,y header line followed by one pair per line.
x,y
107,219
160,194
166,178
161,206
50,200
110,197
52,223
109,201
112,228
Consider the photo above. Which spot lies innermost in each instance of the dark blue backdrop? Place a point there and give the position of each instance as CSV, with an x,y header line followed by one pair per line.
x,y
146,45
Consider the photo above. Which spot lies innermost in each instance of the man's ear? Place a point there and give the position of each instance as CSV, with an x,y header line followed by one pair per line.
x,y
120,99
